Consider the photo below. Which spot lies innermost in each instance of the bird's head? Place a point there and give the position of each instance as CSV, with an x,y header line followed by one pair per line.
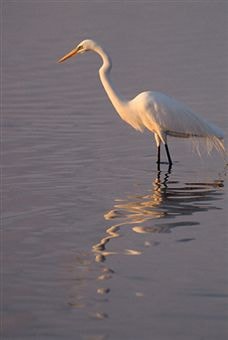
x,y
84,46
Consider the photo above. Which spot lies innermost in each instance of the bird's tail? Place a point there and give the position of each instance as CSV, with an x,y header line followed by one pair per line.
x,y
215,142
210,142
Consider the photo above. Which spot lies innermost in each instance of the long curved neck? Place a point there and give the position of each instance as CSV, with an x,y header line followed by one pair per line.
x,y
104,72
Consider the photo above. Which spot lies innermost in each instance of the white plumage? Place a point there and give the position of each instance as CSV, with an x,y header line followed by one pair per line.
x,y
166,116
162,115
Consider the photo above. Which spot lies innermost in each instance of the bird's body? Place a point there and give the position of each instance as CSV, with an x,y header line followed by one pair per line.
x,y
159,113
166,116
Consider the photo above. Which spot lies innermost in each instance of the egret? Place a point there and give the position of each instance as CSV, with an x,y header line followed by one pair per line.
x,y
160,114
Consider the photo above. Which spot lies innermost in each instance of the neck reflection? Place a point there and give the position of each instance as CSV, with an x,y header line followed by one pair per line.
x,y
168,204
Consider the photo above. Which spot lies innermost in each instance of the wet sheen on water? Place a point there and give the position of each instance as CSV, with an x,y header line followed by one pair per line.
x,y
98,244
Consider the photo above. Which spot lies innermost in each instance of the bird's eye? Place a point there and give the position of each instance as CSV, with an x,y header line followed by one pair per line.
x,y
80,48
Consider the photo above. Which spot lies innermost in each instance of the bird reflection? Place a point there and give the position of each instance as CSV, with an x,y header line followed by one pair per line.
x,y
155,211
166,205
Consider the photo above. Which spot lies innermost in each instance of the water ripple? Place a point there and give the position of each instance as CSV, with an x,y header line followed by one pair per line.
x,y
168,205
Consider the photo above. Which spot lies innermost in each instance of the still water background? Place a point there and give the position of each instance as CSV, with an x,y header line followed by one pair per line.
x,y
96,243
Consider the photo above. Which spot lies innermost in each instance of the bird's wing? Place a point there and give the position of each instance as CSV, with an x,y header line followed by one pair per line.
x,y
166,116
174,118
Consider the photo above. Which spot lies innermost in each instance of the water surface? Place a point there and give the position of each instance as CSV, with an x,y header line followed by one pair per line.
x,y
98,244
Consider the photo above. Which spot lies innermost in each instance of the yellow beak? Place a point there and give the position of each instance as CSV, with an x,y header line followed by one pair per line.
x,y
68,55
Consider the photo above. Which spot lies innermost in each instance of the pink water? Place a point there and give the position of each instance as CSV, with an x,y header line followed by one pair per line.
x,y
97,244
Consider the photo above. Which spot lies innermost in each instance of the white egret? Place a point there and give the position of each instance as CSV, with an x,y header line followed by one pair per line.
x,y
162,115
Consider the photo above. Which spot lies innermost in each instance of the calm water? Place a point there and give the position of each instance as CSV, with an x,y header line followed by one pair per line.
x,y
96,243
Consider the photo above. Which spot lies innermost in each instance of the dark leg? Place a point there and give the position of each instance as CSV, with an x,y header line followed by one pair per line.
x,y
168,154
158,157
158,154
